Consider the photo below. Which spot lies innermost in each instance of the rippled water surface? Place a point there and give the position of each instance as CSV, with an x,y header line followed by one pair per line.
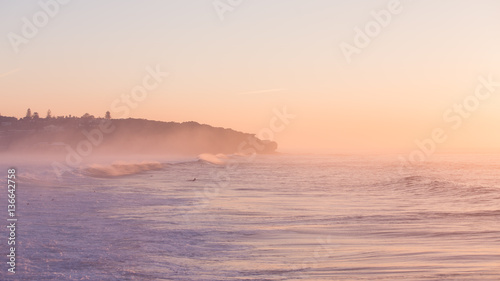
x,y
277,217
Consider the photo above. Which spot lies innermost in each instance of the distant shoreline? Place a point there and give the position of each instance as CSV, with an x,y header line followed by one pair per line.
x,y
123,136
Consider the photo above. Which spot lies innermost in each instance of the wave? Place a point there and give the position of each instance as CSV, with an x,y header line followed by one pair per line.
x,y
120,169
437,185
45,173
47,177
219,159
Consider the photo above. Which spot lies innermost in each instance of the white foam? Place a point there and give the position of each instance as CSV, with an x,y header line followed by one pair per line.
x,y
120,169
219,159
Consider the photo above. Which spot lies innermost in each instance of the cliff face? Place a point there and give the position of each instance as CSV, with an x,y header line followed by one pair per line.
x,y
125,136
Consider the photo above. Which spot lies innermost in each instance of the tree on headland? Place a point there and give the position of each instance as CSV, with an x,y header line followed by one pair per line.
x,y
36,116
49,114
108,115
87,116
28,114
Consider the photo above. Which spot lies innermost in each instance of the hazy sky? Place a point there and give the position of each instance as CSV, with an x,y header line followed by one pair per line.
x,y
260,56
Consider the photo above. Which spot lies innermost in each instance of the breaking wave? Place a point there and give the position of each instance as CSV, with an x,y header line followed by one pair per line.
x,y
219,159
120,169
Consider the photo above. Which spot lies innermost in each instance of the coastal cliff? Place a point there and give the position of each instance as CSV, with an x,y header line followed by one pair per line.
x,y
124,136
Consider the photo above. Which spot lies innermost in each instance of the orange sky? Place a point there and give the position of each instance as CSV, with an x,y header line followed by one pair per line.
x,y
264,56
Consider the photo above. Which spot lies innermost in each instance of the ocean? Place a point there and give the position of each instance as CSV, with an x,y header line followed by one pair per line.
x,y
269,217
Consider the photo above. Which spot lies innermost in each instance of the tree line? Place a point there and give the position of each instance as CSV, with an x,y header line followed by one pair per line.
x,y
36,116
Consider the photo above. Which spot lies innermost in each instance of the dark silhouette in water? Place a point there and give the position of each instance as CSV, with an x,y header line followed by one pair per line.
x,y
194,179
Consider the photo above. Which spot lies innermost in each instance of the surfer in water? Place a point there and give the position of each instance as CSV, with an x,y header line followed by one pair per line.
x,y
193,179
